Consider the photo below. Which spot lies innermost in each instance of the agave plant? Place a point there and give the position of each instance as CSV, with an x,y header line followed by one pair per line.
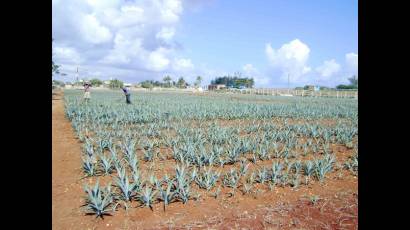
x,y
127,189
149,155
133,162
106,164
183,192
147,197
207,178
243,168
231,179
97,202
323,166
275,172
216,193
167,195
352,164
262,175
89,166
308,168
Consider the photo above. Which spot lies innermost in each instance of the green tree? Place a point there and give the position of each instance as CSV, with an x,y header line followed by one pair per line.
x,y
198,81
54,67
353,80
181,83
96,82
115,84
59,83
147,85
167,79
353,84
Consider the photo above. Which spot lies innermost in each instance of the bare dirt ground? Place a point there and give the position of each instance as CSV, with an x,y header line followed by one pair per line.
x,y
282,208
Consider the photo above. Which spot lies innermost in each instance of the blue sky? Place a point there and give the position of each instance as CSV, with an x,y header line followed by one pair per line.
x,y
315,42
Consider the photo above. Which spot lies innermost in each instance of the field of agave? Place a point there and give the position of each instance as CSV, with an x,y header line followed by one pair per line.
x,y
175,147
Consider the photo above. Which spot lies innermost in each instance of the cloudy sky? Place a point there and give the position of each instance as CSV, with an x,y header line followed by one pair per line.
x,y
312,42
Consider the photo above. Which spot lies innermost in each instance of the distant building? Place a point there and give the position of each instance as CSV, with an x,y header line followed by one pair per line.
x,y
216,86
127,84
310,87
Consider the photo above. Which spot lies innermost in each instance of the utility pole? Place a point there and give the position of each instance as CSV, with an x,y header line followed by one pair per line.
x,y
76,76
288,85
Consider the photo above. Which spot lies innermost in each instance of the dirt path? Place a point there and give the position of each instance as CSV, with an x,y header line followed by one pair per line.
x,y
66,170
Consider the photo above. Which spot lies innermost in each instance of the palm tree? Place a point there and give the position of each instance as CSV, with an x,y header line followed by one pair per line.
x,y
181,83
198,81
167,79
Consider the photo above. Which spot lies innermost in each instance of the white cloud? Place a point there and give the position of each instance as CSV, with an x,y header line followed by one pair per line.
x,y
166,34
352,63
183,64
93,31
170,10
250,71
291,58
134,36
328,68
67,54
157,60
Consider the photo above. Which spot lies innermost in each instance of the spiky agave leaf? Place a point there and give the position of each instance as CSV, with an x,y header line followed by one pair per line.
x,y
166,195
89,166
147,196
127,189
207,178
98,203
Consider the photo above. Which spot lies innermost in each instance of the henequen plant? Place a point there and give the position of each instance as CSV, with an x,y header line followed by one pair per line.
x,y
97,202
207,178
127,188
166,195
147,196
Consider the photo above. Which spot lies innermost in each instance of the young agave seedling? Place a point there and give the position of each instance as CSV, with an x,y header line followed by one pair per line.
x,y
183,192
262,175
295,181
89,166
305,150
149,155
276,172
98,203
216,193
166,195
247,187
323,166
193,175
285,152
106,164
254,158
231,179
314,199
147,197
262,154
207,179
297,165
308,170
127,189
137,181
89,149
243,168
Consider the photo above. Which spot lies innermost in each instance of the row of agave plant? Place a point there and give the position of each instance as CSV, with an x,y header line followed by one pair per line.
x,y
156,107
217,147
105,200
117,138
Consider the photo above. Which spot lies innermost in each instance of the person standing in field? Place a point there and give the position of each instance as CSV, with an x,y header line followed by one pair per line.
x,y
87,95
127,95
